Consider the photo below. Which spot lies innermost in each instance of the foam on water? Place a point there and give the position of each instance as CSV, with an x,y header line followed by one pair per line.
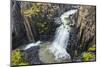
x,y
32,45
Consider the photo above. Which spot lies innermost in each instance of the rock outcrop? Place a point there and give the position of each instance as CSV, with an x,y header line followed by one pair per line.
x,y
83,35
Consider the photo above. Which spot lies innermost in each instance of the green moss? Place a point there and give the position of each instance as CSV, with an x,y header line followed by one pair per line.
x,y
17,58
88,56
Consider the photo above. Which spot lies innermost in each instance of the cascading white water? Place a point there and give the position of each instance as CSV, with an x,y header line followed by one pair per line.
x,y
62,37
59,45
60,42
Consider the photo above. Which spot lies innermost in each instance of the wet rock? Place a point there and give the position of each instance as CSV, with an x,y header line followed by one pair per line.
x,y
41,55
31,55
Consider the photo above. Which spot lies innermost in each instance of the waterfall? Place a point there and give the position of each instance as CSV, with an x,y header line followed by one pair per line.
x,y
61,39
59,45
61,36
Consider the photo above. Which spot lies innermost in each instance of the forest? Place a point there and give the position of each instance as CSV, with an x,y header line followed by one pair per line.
x,y
35,22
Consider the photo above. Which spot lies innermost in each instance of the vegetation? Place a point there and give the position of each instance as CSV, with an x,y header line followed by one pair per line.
x,y
42,26
93,48
34,10
17,58
88,56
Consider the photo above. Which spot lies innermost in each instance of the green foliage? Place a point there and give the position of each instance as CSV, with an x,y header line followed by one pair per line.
x,y
93,48
17,58
88,56
42,26
33,10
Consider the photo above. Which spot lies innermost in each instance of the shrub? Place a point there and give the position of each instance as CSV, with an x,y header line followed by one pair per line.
x,y
17,58
88,56
93,48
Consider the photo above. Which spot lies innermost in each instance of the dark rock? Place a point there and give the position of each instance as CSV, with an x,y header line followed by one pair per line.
x,y
31,55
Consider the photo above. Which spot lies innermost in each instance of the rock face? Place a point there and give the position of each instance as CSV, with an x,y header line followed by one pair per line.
x,y
87,26
31,55
83,35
